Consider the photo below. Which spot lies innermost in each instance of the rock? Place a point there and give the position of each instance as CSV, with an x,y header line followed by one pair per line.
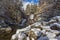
x,y
32,16
32,35
55,26
19,36
46,27
50,31
43,38
43,31
24,29
58,37
36,31
8,30
28,38
53,39
57,18
37,24
14,37
55,31
50,35
23,22
52,21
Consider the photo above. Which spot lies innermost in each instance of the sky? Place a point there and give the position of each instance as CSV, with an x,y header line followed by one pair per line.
x,y
34,1
26,2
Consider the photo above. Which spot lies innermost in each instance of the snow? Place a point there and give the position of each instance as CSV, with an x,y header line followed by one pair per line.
x,y
50,35
37,24
32,38
46,27
36,31
32,16
57,24
45,34
55,31
27,38
53,39
24,29
25,5
21,36
52,20
14,36
58,17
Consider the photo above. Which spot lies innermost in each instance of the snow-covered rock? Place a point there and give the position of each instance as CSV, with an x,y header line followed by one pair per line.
x,y
55,31
52,20
50,35
36,31
37,24
53,39
21,36
32,16
46,27
14,37
24,29
57,18
27,38
18,36
55,26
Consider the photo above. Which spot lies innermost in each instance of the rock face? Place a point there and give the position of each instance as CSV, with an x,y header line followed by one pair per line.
x,y
37,31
